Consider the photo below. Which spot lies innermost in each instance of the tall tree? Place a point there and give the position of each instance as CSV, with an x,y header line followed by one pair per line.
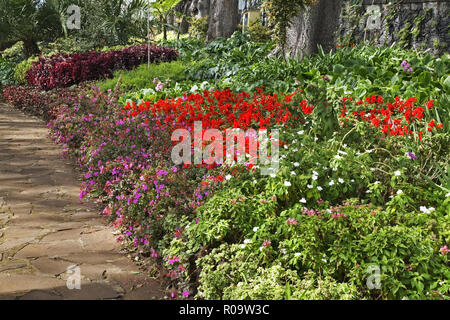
x,y
315,25
25,20
223,18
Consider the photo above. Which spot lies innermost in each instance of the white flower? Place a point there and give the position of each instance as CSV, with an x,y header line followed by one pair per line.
x,y
287,184
319,188
377,182
300,132
397,173
228,176
255,229
261,248
273,175
315,139
331,183
342,152
296,164
314,178
324,260
447,195
369,151
297,254
341,180
310,186
286,147
369,191
247,241
303,200
295,150
293,173
242,246
337,157
334,169
424,209
399,191
283,251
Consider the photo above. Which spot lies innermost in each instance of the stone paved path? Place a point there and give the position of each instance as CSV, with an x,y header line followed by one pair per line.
x,y
44,229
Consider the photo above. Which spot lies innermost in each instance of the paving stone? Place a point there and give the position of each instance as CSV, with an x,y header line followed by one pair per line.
x,y
14,266
49,249
89,291
13,283
40,295
102,240
51,266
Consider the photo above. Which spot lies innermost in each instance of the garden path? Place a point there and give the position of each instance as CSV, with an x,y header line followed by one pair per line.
x,y
44,229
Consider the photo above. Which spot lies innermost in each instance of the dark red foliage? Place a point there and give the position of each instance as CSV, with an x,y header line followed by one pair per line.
x,y
64,70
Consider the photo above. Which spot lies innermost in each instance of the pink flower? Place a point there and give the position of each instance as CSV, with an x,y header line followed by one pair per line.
x,y
186,294
267,243
444,250
291,221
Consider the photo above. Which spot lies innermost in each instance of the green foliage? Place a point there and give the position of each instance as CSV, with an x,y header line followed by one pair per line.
x,y
161,9
14,53
142,78
21,69
258,32
199,27
6,72
230,273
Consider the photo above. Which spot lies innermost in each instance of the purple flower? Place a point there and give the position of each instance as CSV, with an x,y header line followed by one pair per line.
x,y
412,156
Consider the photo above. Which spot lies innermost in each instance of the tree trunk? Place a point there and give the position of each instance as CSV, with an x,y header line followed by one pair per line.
x,y
223,19
199,8
30,48
316,25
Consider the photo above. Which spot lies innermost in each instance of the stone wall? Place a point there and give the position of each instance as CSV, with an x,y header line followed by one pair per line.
x,y
420,24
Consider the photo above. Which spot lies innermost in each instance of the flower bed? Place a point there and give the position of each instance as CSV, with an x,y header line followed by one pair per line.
x,y
297,227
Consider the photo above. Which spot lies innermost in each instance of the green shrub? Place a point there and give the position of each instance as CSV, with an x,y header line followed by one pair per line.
x,y
199,27
14,53
258,32
21,69
231,273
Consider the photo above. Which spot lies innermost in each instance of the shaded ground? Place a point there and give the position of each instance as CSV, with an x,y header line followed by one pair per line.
x,y
44,229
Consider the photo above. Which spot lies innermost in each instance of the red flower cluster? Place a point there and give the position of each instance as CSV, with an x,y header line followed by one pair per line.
x,y
63,70
219,110
393,119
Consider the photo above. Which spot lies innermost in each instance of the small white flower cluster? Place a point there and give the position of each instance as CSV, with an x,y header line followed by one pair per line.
x,y
426,210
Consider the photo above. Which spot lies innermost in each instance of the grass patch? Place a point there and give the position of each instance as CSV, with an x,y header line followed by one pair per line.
x,y
142,78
